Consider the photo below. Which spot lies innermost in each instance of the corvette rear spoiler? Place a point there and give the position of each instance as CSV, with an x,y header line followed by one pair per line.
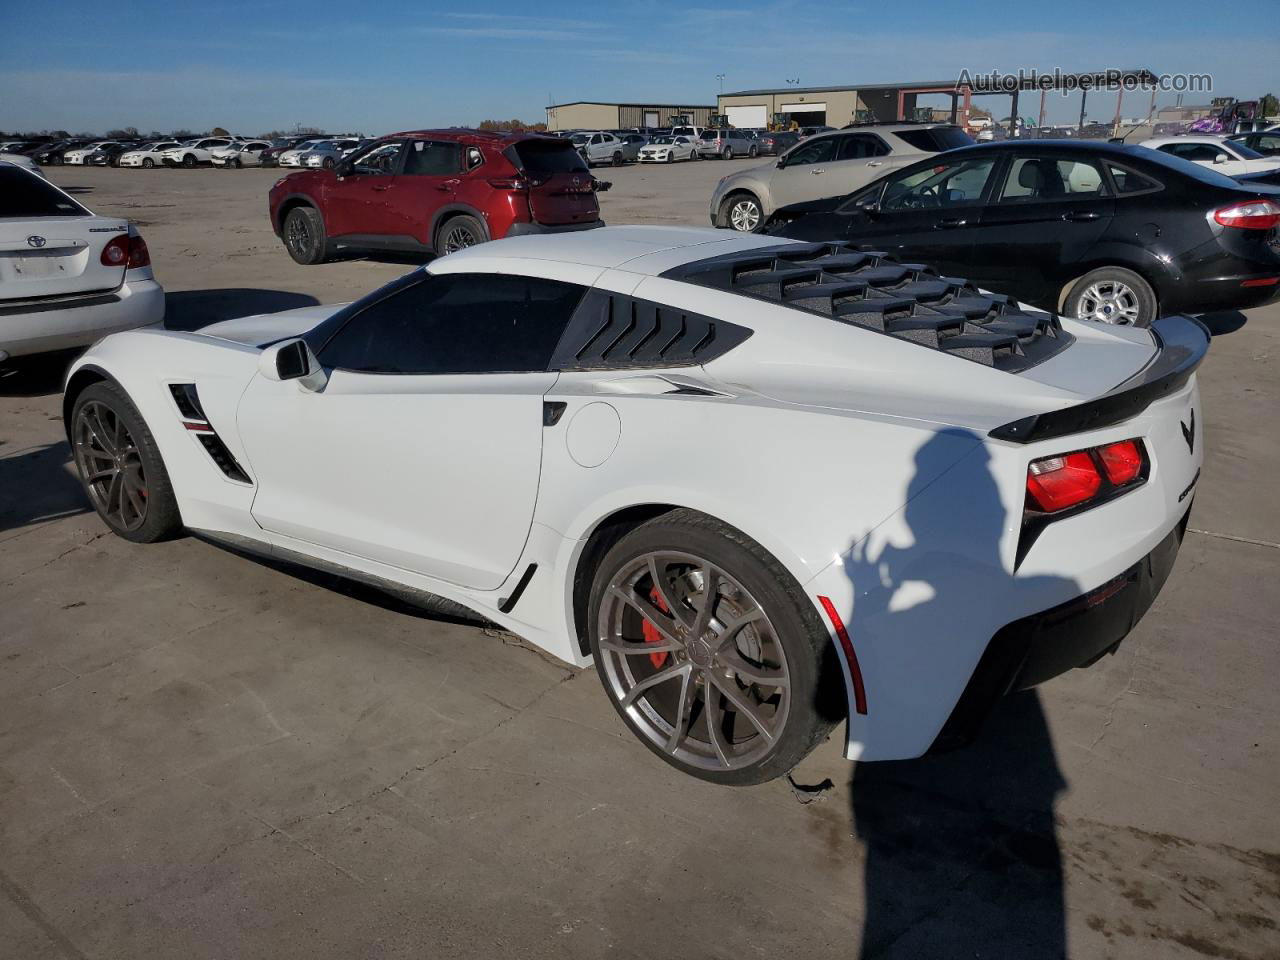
x,y
1181,344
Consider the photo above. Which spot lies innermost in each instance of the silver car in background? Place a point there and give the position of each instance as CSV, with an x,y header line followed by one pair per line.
x,y
328,153
242,154
601,146
826,165
726,144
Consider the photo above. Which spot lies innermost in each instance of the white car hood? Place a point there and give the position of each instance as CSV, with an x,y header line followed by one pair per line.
x,y
267,328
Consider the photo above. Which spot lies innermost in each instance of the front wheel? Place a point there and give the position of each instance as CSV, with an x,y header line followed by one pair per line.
x,y
708,652
752,153
148,163
120,466
617,158
189,161
728,154
742,212
1112,295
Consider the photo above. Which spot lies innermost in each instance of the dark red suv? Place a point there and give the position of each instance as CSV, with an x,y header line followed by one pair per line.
x,y
435,191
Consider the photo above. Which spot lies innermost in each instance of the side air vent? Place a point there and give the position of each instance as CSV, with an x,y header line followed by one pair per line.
x,y
610,330
874,291
187,399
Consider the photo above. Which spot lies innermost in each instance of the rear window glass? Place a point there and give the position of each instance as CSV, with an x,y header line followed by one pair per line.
x,y
23,194
1130,181
547,156
935,139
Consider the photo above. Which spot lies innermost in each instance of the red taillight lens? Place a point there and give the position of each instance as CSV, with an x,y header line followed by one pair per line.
x,y
508,183
116,252
139,255
1122,462
1056,483
1250,215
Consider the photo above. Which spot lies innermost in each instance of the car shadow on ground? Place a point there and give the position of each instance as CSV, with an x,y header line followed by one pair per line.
x,y
51,491
192,309
1224,321
961,852
37,376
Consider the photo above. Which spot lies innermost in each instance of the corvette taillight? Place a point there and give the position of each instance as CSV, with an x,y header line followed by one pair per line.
x,y
1250,215
1069,480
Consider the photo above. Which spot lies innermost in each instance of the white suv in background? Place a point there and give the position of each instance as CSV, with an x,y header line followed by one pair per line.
x,y
148,155
193,153
826,165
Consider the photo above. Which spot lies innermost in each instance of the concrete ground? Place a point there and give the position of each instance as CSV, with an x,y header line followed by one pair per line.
x,y
202,756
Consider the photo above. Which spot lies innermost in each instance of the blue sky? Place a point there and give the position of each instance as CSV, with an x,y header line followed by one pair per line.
x,y
388,65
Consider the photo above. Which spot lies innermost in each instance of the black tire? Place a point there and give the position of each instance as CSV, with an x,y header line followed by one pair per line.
x,y
458,233
752,152
816,685
148,163
303,236
327,163
238,164
189,161
735,212
617,158
727,153
1126,298
161,519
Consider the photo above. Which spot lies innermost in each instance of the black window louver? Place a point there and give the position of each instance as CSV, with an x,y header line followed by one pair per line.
x,y
610,330
222,457
872,290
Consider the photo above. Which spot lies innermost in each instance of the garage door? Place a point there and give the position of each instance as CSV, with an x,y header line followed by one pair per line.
x,y
806,114
756,116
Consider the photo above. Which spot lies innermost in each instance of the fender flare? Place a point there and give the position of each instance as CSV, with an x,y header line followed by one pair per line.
x,y
448,210
277,219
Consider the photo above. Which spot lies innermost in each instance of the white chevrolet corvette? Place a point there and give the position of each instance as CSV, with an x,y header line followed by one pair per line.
x,y
764,485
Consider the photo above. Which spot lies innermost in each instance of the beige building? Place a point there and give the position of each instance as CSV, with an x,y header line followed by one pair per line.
x,y
588,115
816,106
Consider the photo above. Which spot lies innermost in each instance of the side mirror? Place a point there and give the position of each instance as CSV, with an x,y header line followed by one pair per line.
x,y
292,360
870,205
602,186
342,168
782,162
1221,158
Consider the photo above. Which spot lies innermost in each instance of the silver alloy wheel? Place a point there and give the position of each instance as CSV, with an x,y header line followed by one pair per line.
x,y
458,238
744,215
1109,301
297,233
111,465
693,660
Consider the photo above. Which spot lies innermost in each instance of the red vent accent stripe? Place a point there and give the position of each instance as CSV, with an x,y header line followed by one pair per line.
x,y
859,692
197,427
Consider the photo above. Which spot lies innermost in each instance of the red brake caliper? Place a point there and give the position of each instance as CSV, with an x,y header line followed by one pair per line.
x,y
652,634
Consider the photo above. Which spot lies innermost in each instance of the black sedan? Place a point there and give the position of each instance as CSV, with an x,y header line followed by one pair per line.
x,y
1099,231
52,153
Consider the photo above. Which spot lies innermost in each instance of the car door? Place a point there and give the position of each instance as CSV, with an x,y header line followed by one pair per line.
x,y
423,449
363,200
431,177
859,159
802,173
1049,212
930,212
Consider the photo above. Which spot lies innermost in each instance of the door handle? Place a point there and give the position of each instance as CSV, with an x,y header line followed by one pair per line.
x,y
1081,215
381,187
817,171
950,223
876,163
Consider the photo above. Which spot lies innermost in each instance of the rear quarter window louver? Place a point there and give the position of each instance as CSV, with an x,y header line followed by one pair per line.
x,y
610,330
872,290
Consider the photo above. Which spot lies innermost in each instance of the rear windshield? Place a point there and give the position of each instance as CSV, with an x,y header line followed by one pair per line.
x,y
23,194
547,156
935,139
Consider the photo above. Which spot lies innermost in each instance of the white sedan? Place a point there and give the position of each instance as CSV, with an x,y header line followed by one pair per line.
x,y
80,155
149,154
1223,155
67,276
765,486
23,161
293,156
247,153
668,150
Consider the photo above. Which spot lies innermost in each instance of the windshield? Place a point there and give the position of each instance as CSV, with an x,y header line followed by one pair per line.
x,y
579,138
1188,168
1247,152
662,140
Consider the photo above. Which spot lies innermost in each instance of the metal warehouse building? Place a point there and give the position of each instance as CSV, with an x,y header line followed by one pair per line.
x,y
833,106
588,115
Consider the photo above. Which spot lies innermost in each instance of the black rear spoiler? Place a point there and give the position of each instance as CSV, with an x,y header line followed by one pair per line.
x,y
1181,342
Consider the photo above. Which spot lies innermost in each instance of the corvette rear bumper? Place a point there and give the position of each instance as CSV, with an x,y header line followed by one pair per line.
x,y
1077,633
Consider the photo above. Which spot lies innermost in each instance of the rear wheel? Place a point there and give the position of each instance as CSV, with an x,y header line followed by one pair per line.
x,y
458,234
752,152
327,163
705,651
120,466
742,212
1112,295
727,154
304,235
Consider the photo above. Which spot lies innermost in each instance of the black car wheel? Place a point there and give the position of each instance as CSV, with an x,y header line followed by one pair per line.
x,y
728,153
120,466
303,235
1112,295
458,234
708,651
189,161
148,163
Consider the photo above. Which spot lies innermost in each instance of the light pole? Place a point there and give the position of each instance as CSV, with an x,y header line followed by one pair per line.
x,y
720,77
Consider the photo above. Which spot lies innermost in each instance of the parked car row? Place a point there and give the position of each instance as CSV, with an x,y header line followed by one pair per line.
x,y
617,147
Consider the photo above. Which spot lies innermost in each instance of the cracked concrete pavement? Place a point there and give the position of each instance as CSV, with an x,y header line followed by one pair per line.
x,y
205,756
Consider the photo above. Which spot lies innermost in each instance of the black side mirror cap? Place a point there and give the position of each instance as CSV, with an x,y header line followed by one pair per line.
x,y
292,361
